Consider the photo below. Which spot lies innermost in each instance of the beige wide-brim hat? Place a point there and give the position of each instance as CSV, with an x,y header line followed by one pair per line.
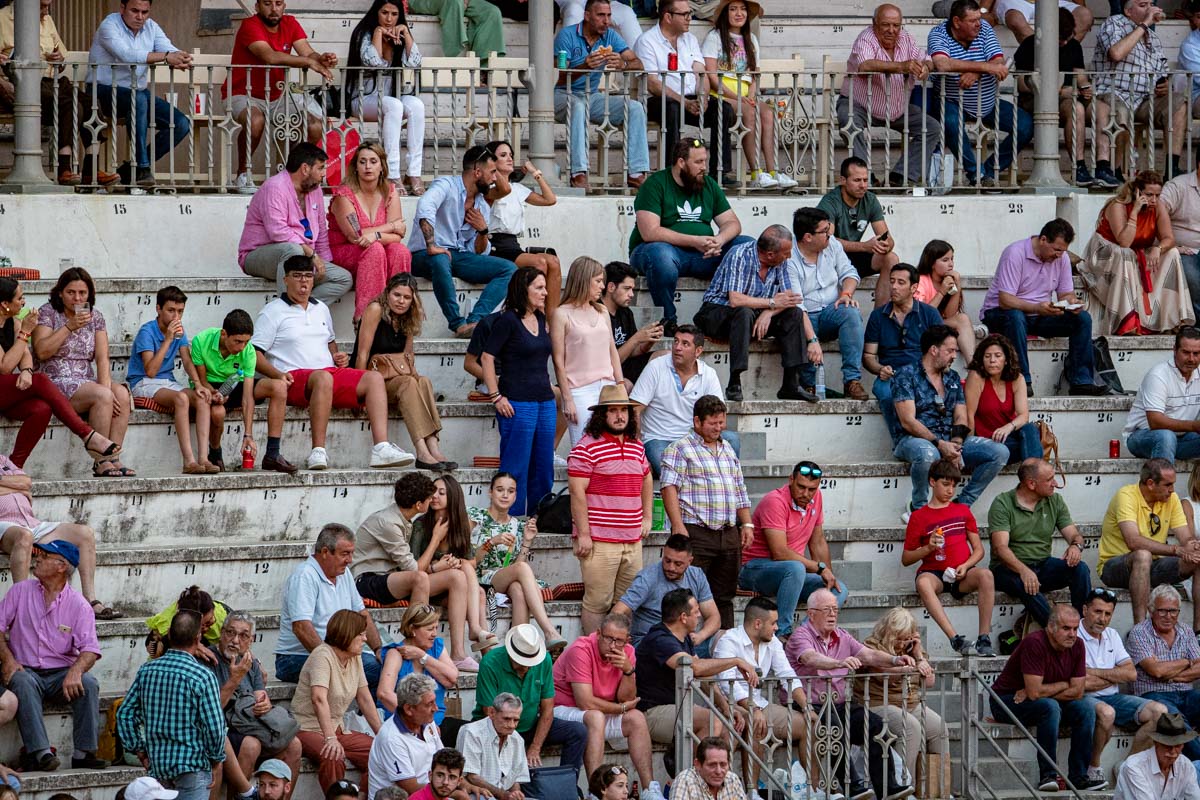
x,y
525,645
752,8
614,395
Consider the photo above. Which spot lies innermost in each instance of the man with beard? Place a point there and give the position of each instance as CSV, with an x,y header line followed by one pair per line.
x,y
270,38
240,675
274,779
611,502
932,411
673,236
286,218
450,240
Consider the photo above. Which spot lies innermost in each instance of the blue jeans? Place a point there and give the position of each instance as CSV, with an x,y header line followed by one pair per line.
x,y
1191,273
1052,573
1162,443
1025,442
469,267
788,582
1017,325
656,447
846,325
664,264
136,117
983,457
593,107
1002,120
32,689
527,451
191,785
571,735
288,666
883,393
1046,714
1186,703
1126,707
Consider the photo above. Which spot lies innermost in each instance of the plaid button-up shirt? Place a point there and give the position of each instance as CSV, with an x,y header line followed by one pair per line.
x,y
1133,79
711,486
690,786
1143,642
738,272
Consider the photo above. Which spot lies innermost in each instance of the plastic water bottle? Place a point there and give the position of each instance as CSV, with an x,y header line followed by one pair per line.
x,y
231,383
820,385
940,553
799,781
781,779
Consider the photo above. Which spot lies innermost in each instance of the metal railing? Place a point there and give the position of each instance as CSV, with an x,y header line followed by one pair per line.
x,y
801,121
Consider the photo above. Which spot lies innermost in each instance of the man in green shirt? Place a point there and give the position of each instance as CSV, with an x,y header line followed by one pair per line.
x,y
1022,523
673,231
523,668
225,360
854,209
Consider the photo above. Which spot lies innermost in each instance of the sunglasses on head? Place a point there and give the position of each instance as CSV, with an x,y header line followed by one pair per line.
x,y
1106,595
809,471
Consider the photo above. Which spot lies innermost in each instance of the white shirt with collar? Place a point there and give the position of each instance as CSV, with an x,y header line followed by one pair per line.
x,y
668,404
1141,778
1164,390
500,766
653,48
295,336
1107,652
398,754
769,658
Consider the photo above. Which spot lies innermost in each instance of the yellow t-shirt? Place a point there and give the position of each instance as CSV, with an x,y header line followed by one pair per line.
x,y
50,41
1128,505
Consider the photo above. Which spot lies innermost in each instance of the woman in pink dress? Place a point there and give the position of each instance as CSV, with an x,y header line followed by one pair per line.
x,y
366,226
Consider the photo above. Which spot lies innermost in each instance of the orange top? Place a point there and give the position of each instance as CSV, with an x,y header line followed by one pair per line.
x,y
1147,228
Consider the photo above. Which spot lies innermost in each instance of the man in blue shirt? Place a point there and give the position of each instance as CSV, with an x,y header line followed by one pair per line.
x,y
126,38
751,296
592,44
967,46
642,601
450,240
932,410
893,337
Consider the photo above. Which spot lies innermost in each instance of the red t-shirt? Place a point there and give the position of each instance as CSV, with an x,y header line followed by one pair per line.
x,y
281,40
954,520
1035,656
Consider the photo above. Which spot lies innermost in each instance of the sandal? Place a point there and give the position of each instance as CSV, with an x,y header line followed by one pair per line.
x,y
114,449
415,185
104,612
126,472
106,469
399,187
487,642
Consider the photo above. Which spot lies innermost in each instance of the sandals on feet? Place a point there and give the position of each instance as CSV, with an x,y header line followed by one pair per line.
x,y
487,642
106,469
113,450
415,185
105,612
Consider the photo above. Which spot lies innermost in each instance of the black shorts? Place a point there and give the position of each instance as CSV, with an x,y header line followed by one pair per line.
x,y
506,246
862,263
952,589
234,401
373,586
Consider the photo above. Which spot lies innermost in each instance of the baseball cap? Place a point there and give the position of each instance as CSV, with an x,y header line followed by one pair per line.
x,y
59,547
273,766
146,788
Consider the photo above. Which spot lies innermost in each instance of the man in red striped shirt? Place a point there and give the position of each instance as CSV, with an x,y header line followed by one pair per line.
x,y
611,501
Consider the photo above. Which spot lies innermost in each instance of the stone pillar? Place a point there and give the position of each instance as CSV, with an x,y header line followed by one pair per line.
x,y
1047,176
540,82
27,174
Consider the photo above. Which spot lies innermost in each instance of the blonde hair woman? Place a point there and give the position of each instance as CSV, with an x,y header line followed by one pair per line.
x,y
907,717
422,652
584,353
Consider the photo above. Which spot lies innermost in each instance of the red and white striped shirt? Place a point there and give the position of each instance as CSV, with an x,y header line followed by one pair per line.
x,y
888,94
615,469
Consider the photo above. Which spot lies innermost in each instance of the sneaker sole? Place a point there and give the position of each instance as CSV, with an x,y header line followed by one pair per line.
x,y
403,462
317,467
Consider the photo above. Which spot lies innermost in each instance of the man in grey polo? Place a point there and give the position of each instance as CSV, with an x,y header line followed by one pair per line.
x,y
643,600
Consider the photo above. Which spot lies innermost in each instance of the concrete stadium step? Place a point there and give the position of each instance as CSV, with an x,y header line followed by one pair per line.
x,y
196,236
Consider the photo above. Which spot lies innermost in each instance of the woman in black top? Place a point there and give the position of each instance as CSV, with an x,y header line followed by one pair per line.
x,y
390,323
524,401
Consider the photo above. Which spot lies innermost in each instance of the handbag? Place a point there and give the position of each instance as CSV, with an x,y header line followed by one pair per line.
x,y
391,365
1050,451
553,783
554,512
275,729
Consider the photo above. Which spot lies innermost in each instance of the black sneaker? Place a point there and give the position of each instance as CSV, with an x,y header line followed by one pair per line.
x,y
861,790
1048,783
1083,178
983,646
1106,179
1087,390
1091,784
960,645
89,762
670,326
145,177
733,393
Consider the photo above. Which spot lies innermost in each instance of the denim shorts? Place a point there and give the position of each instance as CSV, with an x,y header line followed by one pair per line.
x,y
1125,706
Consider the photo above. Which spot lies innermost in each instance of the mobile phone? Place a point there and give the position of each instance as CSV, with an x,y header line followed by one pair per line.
x,y
883,237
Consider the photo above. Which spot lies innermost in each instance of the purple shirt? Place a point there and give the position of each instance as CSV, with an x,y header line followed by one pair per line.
x,y
274,217
1023,274
840,645
47,637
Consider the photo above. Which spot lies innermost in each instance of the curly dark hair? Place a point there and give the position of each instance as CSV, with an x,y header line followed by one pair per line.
x,y
597,426
1012,367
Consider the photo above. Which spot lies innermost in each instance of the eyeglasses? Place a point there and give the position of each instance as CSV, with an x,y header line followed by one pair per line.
x,y
308,234
830,610
613,640
300,276
1155,524
809,471
1167,612
685,14
1106,595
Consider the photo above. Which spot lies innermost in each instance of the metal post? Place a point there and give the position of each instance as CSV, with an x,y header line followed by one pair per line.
x,y
1047,177
970,712
684,702
27,174
540,81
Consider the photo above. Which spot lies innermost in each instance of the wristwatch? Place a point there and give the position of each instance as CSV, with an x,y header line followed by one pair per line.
x,y
821,567
424,658
813,340
771,303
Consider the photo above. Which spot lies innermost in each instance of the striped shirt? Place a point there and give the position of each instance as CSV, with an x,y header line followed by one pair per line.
x,y
1143,642
980,99
885,95
172,712
711,486
615,469
739,272
1131,79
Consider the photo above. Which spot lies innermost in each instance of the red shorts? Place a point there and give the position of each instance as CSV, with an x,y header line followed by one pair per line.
x,y
345,387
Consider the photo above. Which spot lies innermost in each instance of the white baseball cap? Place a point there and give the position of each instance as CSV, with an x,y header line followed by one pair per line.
x,y
146,788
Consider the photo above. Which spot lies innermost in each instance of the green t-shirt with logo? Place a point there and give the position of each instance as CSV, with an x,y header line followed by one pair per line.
x,y
206,351
849,223
678,209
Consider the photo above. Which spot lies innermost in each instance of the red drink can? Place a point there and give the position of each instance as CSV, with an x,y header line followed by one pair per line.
x,y
1114,448
672,61
247,457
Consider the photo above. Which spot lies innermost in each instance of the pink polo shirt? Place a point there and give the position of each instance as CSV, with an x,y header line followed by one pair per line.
x,y
777,512
582,663
885,95
47,637
274,217
840,645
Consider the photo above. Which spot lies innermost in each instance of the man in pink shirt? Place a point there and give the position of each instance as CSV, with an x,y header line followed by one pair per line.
x,y
788,558
594,684
882,100
51,645
820,648
286,218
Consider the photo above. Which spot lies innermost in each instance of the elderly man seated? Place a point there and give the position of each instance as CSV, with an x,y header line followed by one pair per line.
x,y
1167,659
402,753
1157,772
494,752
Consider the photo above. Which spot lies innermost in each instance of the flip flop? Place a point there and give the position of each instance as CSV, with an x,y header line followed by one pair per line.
x,y
105,612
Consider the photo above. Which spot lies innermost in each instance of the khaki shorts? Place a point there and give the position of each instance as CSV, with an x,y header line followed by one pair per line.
x,y
661,722
277,110
1162,112
607,572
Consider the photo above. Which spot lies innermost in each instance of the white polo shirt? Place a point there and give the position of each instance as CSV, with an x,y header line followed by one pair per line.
x,y
1140,778
398,754
668,401
309,596
295,336
1164,390
1104,653
652,48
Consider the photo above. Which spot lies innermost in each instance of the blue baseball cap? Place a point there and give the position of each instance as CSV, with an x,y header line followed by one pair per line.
x,y
59,547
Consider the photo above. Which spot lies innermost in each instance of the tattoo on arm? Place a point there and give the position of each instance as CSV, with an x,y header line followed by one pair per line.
x,y
427,232
352,218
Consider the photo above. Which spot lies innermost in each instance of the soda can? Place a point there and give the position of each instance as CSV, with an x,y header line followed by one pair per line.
x,y
1114,448
672,61
560,59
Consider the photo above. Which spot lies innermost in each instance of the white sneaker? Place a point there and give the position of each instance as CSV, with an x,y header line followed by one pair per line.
x,y
652,791
244,184
318,459
785,181
764,181
981,331
386,454
907,514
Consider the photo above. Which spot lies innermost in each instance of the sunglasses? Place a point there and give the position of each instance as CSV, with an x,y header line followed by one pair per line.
x,y
308,234
342,788
1102,594
809,471
1155,524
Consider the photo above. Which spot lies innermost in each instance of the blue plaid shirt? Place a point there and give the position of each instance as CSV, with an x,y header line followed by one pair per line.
x,y
934,412
739,273
172,713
